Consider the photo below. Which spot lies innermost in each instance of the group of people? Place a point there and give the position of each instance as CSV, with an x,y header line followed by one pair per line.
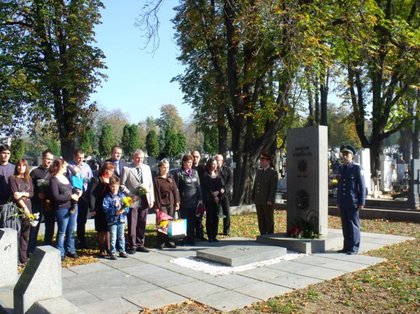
x,y
123,193
119,193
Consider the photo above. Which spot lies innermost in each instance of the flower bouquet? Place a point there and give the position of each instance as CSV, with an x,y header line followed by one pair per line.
x,y
33,217
127,201
142,190
162,222
303,230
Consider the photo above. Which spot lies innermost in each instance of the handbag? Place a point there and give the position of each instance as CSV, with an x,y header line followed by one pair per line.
x,y
9,216
177,228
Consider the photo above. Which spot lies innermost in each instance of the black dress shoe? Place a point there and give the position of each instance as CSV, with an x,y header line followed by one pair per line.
x,y
142,249
160,246
342,251
113,257
170,245
131,251
73,255
352,253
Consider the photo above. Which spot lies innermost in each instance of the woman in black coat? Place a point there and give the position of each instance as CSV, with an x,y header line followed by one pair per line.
x,y
188,183
98,189
212,184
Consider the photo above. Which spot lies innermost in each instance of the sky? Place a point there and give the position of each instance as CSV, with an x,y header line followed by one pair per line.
x,y
138,81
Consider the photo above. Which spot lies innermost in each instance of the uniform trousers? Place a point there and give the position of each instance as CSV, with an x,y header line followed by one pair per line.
x,y
265,214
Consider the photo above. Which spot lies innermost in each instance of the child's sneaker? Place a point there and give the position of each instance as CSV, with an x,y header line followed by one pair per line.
x,y
113,257
123,254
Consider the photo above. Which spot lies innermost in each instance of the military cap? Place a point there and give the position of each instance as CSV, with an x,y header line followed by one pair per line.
x,y
347,148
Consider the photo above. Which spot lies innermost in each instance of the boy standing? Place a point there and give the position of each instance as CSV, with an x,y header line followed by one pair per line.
x,y
116,216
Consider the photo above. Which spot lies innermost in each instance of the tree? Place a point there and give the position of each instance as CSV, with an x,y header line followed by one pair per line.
x,y
86,141
17,149
242,59
341,127
377,43
131,139
210,140
48,68
152,144
106,141
169,118
116,118
174,143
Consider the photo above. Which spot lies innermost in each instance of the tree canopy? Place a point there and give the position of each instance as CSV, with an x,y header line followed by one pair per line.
x,y
48,66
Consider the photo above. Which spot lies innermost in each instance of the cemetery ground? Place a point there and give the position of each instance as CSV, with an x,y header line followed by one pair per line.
x,y
389,287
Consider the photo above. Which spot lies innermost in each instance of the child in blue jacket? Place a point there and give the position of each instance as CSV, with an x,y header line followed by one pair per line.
x,y
116,216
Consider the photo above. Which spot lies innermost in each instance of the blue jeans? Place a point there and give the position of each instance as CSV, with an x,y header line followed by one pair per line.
x,y
117,233
66,223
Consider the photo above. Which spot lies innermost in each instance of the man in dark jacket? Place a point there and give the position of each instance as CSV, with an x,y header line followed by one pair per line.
x,y
350,199
40,202
6,170
199,167
116,153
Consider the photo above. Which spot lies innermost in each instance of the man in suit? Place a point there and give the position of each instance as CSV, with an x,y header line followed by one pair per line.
x,y
351,198
227,180
116,153
133,177
264,194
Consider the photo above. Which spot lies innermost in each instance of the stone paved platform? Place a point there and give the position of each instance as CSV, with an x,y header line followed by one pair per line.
x,y
152,280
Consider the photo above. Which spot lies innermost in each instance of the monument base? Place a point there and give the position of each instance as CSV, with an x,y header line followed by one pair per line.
x,y
237,255
333,241
6,299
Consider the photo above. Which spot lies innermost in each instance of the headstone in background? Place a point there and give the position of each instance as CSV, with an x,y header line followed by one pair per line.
x,y
8,257
307,177
363,158
385,166
414,193
40,280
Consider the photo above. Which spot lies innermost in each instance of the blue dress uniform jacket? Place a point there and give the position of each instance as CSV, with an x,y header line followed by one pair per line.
x,y
351,195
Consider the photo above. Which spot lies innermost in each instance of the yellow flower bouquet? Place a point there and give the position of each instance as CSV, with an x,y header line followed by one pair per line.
x,y
127,201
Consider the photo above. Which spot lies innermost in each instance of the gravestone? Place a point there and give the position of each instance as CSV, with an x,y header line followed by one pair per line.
x,y
241,254
414,193
8,257
307,178
40,280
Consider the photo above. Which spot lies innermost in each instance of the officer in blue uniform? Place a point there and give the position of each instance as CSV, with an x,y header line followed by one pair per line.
x,y
350,199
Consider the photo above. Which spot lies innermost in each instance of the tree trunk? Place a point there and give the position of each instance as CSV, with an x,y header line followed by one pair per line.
x,y
323,88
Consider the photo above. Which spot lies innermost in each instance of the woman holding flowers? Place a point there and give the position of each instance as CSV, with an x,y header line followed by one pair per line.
x,y
99,188
166,201
62,197
22,190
